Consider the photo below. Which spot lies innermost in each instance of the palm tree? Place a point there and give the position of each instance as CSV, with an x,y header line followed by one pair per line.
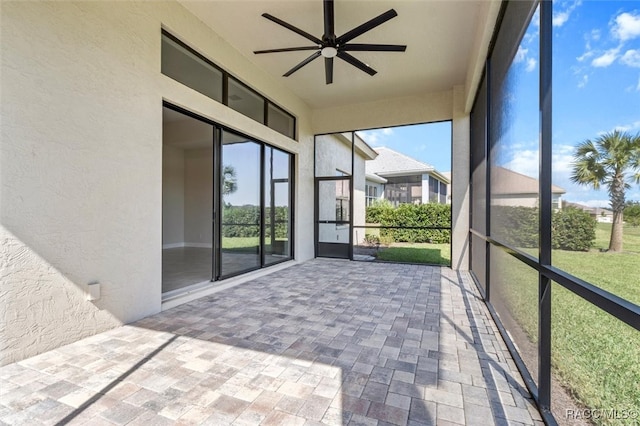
x,y
229,182
611,160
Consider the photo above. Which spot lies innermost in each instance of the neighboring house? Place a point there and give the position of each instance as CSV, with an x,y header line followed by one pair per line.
x,y
515,189
598,213
400,179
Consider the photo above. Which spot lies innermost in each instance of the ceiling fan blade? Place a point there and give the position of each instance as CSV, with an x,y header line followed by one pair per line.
x,y
329,31
328,70
302,64
292,28
354,47
369,25
356,63
286,49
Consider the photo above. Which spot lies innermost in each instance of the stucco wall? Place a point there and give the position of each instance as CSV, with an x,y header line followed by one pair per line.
x,y
81,161
424,108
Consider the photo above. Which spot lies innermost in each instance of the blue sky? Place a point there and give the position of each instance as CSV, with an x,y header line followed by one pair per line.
x,y
429,143
596,89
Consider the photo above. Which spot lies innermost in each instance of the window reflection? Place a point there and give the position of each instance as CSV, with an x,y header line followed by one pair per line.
x,y
190,70
240,229
515,137
245,101
277,215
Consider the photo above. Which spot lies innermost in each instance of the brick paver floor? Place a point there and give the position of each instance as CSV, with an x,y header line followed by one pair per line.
x,y
323,342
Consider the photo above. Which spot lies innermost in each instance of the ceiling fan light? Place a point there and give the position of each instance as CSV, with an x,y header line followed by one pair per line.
x,y
329,52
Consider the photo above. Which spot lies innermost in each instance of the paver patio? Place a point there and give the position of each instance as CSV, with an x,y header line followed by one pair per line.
x,y
322,342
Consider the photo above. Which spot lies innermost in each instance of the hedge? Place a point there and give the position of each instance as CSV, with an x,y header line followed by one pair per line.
x,y
571,228
244,221
515,226
431,214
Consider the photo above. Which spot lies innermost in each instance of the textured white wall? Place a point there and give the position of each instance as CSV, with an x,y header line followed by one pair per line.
x,y
81,161
423,108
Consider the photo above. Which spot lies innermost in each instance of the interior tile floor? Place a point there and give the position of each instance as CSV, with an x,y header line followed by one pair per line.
x,y
186,266
324,342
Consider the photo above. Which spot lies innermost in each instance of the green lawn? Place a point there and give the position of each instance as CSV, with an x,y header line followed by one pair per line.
x,y
247,244
595,356
240,244
618,273
436,254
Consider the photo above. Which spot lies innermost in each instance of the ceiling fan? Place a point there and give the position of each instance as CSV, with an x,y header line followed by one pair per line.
x,y
331,46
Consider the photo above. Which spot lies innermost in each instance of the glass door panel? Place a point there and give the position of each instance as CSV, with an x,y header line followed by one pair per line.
x,y
240,188
333,226
277,211
187,201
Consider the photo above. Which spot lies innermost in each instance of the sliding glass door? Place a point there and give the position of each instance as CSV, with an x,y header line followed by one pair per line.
x,y
226,202
241,215
187,201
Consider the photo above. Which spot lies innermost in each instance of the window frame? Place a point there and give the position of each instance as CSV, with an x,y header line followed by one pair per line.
x,y
225,86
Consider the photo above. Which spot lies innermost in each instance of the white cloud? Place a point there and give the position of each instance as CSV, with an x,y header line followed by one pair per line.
x,y
561,17
628,127
626,26
584,81
531,64
521,54
585,55
594,35
375,137
524,162
606,59
631,58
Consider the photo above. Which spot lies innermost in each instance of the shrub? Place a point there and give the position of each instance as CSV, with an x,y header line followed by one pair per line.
x,y
515,226
572,229
631,213
371,239
243,221
412,215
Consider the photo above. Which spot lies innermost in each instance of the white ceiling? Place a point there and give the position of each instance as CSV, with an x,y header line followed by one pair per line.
x,y
440,38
